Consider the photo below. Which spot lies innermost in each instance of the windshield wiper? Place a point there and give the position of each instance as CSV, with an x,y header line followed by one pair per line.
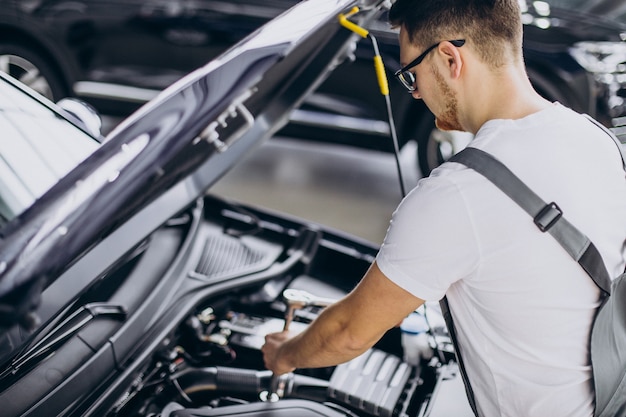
x,y
62,332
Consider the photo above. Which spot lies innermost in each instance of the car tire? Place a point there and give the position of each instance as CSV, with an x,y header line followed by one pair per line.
x,y
435,146
30,68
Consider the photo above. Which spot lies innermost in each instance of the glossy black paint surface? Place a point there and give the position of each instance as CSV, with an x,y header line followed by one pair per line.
x,y
194,131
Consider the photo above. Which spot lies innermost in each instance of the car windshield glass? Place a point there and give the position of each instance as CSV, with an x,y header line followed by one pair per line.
x,y
37,148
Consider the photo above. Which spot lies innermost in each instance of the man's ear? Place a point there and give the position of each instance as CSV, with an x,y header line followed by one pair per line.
x,y
452,58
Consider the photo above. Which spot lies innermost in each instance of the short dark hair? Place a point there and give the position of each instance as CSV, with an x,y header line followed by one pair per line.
x,y
491,27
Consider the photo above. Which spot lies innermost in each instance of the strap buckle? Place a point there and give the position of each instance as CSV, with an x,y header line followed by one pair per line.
x,y
548,215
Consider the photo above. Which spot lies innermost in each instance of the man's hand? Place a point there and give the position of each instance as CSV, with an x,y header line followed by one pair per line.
x,y
272,355
344,329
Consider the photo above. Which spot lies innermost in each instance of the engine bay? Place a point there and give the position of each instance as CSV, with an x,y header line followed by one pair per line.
x,y
176,329
213,366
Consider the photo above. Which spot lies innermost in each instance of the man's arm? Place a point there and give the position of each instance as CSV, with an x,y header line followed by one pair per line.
x,y
345,329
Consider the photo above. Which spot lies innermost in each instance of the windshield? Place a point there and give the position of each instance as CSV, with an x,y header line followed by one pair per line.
x,y
37,148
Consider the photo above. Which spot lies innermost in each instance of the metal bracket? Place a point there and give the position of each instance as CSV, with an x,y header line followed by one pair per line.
x,y
238,115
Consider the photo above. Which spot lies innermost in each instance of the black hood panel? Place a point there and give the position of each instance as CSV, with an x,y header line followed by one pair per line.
x,y
192,133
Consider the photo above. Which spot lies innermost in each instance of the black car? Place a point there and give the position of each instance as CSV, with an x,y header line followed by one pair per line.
x,y
118,54
128,288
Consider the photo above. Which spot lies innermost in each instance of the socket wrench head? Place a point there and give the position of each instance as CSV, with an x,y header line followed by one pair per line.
x,y
297,299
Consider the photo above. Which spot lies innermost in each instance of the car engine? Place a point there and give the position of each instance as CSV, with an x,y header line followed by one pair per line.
x,y
213,366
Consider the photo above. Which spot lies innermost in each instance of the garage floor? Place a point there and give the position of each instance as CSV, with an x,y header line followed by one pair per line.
x,y
353,190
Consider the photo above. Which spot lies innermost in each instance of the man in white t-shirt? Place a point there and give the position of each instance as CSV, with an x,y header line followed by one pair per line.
x,y
522,307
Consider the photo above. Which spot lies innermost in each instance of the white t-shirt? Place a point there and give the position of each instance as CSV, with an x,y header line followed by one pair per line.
x,y
522,307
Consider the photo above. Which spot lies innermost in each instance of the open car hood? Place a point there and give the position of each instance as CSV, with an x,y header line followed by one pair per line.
x,y
174,148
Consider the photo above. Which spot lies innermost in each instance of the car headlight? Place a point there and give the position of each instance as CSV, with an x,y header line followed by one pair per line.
x,y
607,62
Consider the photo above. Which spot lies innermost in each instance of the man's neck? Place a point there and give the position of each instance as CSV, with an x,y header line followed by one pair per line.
x,y
507,94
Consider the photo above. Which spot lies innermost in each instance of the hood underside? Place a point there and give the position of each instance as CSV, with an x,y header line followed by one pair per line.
x,y
174,148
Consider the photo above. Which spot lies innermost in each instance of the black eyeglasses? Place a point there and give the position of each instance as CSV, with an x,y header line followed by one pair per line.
x,y
407,78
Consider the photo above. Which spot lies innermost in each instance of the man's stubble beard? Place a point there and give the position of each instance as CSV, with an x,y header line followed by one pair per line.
x,y
448,120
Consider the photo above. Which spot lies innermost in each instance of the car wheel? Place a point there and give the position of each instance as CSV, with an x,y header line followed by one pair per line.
x,y
435,146
31,69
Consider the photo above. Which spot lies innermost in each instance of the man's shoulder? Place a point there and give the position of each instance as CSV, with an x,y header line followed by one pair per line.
x,y
449,181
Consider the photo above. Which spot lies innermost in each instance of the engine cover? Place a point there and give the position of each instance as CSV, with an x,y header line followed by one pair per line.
x,y
375,382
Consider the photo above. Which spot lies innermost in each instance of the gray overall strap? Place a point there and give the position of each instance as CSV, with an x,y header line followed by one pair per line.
x,y
447,316
547,216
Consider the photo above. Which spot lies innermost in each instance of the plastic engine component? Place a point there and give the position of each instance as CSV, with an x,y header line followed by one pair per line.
x,y
374,382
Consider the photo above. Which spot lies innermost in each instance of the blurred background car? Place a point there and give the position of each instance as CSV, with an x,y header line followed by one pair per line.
x,y
118,54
